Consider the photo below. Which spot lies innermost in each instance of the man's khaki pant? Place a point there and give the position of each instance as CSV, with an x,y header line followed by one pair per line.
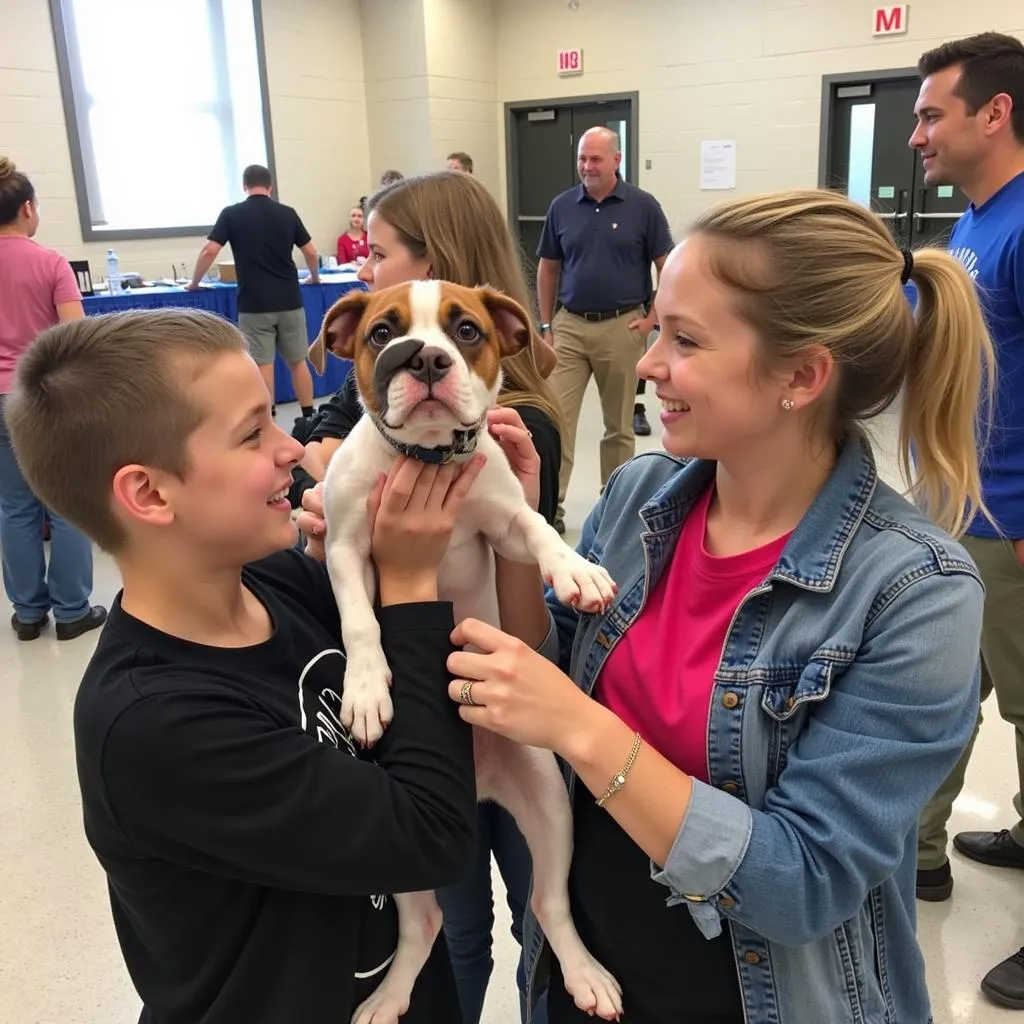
x,y
1002,670
609,350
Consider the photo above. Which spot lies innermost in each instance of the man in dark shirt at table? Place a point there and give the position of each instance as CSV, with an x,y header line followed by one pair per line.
x,y
596,250
262,232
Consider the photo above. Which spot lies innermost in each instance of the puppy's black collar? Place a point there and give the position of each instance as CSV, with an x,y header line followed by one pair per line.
x,y
463,443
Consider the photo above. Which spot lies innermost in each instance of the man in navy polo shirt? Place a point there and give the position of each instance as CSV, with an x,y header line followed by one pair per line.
x,y
970,133
599,241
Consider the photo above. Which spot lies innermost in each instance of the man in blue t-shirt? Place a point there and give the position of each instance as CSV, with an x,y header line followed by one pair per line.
x,y
970,133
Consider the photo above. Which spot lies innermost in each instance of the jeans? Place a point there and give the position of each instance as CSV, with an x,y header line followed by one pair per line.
x,y
31,589
468,910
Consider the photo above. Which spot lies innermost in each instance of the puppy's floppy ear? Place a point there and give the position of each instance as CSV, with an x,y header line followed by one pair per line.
x,y
510,319
338,331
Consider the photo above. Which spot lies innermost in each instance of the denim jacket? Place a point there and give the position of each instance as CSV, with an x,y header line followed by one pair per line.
x,y
857,671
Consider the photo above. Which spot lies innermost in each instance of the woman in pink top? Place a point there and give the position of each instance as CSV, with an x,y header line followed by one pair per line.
x,y
37,289
352,245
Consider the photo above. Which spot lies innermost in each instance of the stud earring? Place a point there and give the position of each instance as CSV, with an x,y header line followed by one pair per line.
x,y
787,404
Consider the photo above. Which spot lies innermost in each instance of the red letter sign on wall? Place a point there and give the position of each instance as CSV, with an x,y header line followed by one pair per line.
x,y
890,21
570,62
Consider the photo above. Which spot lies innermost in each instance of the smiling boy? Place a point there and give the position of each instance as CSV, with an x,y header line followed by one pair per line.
x,y
249,848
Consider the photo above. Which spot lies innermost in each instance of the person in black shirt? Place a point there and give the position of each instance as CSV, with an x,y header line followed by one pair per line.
x,y
262,232
447,226
250,848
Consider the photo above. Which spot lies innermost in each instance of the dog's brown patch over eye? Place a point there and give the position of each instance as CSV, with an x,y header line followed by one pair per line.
x,y
385,327
378,327
462,328
465,311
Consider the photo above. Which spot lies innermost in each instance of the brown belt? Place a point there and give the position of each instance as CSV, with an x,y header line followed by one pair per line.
x,y
596,316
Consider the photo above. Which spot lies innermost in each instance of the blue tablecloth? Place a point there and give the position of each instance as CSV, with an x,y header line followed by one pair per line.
x,y
223,300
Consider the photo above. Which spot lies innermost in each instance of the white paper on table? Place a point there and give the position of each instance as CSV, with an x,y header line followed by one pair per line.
x,y
717,165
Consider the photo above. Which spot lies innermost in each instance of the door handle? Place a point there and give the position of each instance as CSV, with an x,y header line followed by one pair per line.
x,y
891,216
531,220
938,216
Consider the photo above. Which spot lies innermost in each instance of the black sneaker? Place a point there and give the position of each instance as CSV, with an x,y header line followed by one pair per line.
x,y
28,630
1004,984
935,884
640,425
996,848
92,619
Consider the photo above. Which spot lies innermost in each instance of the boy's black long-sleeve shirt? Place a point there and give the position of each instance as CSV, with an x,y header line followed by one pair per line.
x,y
250,849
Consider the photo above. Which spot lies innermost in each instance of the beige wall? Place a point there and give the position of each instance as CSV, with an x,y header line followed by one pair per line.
x,y
431,84
318,111
748,70
357,86
462,62
397,95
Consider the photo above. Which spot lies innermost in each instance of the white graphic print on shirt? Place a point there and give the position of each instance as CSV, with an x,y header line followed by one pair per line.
x,y
968,257
319,693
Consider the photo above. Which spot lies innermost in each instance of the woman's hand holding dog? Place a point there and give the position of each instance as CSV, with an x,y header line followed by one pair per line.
x,y
507,428
517,692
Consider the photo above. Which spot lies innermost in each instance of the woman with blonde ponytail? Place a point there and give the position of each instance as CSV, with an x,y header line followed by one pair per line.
x,y
790,667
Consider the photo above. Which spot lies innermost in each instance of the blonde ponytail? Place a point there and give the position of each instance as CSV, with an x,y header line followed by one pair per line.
x,y
949,393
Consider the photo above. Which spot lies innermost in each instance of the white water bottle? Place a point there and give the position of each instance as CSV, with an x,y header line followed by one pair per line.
x,y
113,275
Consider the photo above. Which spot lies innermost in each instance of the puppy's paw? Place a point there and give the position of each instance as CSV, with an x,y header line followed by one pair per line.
x,y
366,708
579,583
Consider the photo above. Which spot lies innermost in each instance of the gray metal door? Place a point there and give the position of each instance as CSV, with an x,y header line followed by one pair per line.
x,y
869,123
545,164
542,145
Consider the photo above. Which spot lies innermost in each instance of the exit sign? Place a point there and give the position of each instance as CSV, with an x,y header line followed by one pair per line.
x,y
890,21
570,62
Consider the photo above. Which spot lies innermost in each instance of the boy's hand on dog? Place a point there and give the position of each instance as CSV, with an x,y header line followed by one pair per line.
x,y
409,496
311,522
507,428
413,511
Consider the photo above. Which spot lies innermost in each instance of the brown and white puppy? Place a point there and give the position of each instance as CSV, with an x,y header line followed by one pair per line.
x,y
427,360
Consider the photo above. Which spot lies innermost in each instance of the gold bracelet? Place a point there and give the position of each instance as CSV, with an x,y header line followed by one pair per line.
x,y
620,780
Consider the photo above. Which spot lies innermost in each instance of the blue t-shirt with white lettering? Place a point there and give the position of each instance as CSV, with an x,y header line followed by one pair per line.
x,y
989,241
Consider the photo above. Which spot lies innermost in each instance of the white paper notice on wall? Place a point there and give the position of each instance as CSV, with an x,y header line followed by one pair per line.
x,y
717,165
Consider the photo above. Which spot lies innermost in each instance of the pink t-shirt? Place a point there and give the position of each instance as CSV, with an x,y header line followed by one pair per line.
x,y
660,677
33,282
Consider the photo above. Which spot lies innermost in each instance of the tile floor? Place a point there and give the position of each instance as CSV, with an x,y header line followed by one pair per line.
x,y
59,960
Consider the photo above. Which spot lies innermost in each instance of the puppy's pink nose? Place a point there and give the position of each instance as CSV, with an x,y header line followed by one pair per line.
x,y
430,365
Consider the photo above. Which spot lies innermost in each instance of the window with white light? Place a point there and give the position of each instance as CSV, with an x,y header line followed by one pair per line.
x,y
165,106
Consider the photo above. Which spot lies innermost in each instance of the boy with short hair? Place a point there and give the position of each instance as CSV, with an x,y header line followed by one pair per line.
x,y
249,847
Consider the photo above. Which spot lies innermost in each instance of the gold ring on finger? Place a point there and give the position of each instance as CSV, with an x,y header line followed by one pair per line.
x,y
466,695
